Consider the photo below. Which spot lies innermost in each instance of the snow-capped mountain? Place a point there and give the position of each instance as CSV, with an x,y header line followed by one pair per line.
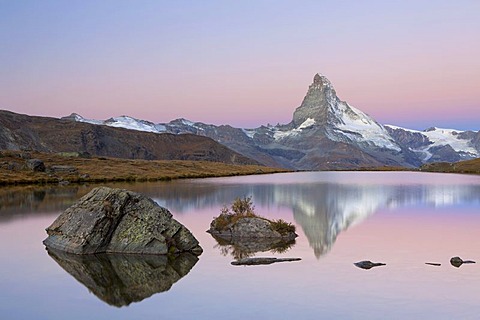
x,y
325,133
342,122
121,122
436,144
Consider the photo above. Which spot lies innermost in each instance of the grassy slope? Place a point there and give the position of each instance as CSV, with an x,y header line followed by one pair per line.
x,y
101,169
468,166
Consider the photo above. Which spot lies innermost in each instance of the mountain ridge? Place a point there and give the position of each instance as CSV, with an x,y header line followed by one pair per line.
x,y
324,133
45,134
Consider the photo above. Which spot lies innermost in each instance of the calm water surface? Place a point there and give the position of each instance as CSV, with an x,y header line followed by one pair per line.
x,y
401,219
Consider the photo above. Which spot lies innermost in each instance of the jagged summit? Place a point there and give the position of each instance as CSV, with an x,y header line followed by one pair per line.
x,y
320,96
319,80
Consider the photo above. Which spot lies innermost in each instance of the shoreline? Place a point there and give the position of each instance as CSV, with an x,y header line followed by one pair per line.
x,y
70,168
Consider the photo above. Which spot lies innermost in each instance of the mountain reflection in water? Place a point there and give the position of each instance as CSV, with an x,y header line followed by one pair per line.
x,y
122,279
323,204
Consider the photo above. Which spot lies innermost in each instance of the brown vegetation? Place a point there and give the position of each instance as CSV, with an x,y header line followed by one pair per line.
x,y
244,208
385,168
467,166
66,168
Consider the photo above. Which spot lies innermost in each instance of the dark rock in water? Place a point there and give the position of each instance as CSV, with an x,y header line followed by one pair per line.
x,y
249,228
110,220
433,264
368,264
259,261
35,165
457,261
119,279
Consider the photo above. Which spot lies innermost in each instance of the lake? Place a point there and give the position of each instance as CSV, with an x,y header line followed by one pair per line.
x,y
402,219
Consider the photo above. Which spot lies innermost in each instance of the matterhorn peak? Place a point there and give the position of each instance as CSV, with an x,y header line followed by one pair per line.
x,y
319,97
320,81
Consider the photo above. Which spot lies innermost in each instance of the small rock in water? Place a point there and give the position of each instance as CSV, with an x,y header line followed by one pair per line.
x,y
259,261
433,264
368,264
457,261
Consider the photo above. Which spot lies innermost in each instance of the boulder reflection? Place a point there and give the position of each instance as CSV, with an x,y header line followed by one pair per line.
x,y
245,248
122,279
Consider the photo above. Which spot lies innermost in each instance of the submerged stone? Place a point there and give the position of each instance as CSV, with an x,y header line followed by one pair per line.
x,y
457,261
368,264
261,261
435,264
108,220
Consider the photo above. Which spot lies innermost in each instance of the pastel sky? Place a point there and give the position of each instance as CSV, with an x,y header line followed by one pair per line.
x,y
246,63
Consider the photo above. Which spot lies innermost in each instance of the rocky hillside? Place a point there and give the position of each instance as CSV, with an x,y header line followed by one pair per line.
x,y
22,132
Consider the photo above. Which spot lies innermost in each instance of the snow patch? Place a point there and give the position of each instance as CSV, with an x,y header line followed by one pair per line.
x,y
359,127
442,137
79,118
131,123
278,135
249,132
188,123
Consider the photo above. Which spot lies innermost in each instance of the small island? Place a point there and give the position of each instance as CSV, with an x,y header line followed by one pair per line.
x,y
246,232
241,222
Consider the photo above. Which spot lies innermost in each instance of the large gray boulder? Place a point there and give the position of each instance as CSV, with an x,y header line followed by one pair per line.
x,y
108,220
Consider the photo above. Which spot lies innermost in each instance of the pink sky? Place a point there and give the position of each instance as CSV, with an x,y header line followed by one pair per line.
x,y
413,63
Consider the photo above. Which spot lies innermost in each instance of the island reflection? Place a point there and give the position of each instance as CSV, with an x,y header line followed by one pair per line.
x,y
120,279
245,248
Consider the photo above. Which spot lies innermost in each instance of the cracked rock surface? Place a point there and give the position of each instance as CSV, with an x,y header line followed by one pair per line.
x,y
108,220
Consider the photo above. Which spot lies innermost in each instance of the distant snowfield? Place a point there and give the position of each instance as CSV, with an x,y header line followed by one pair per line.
x,y
360,127
131,123
441,137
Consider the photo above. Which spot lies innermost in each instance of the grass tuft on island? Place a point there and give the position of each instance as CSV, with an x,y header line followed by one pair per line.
x,y
75,168
244,208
